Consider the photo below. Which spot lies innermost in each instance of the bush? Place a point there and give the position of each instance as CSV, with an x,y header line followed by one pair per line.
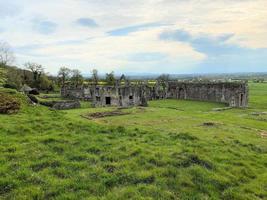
x,y
8,104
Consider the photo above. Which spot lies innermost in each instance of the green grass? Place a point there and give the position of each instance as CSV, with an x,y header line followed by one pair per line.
x,y
159,152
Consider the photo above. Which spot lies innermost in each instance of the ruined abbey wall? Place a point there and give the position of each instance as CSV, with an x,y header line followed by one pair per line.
x,y
122,96
80,92
234,94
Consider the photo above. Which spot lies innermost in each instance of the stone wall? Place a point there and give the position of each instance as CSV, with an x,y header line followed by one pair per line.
x,y
80,92
122,96
65,105
234,94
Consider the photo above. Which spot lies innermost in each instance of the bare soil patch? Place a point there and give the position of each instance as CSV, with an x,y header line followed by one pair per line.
x,y
211,124
104,114
263,134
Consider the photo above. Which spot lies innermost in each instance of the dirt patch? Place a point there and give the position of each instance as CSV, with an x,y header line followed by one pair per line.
x,y
209,124
104,114
263,134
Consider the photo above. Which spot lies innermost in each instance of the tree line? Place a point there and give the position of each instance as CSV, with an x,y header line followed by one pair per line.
x,y
34,75
74,77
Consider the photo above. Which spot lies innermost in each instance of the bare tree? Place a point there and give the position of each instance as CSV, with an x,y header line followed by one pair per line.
x,y
36,70
6,55
64,75
95,77
77,77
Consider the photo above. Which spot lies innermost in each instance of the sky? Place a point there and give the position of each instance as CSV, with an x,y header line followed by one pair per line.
x,y
137,36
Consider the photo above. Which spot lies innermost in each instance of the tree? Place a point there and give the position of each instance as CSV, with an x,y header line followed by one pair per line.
x,y
110,78
63,75
95,77
162,79
123,77
124,80
14,78
6,55
2,75
26,77
76,78
45,83
37,71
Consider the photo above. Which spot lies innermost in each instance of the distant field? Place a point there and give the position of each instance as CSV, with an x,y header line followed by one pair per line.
x,y
172,149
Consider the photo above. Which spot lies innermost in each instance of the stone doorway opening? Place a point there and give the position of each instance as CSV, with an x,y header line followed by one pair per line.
x,y
241,100
108,100
181,93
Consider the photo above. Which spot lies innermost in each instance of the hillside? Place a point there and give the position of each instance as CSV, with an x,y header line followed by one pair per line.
x,y
172,149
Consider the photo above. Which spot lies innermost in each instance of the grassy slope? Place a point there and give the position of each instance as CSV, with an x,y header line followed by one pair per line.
x,y
160,152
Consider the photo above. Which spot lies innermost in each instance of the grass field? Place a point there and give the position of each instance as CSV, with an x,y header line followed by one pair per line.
x,y
170,150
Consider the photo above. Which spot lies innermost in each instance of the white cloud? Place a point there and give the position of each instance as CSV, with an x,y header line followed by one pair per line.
x,y
247,20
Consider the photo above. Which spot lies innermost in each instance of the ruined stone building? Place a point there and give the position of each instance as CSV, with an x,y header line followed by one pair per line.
x,y
122,96
234,94
81,92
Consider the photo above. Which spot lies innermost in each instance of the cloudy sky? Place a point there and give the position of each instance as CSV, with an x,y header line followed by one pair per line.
x,y
141,36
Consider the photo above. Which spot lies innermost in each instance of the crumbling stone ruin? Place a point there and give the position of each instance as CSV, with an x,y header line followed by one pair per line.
x,y
64,105
234,94
119,95
80,92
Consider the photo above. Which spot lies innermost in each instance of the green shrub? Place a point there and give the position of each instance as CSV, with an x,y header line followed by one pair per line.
x,y
8,104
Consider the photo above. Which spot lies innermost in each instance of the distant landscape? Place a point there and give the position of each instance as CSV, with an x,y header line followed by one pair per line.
x,y
138,100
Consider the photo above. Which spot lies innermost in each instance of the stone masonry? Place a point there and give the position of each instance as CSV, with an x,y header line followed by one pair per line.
x,y
234,94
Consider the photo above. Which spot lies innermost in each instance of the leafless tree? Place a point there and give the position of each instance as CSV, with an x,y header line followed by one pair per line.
x,y
63,75
6,55
37,70
95,77
76,78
